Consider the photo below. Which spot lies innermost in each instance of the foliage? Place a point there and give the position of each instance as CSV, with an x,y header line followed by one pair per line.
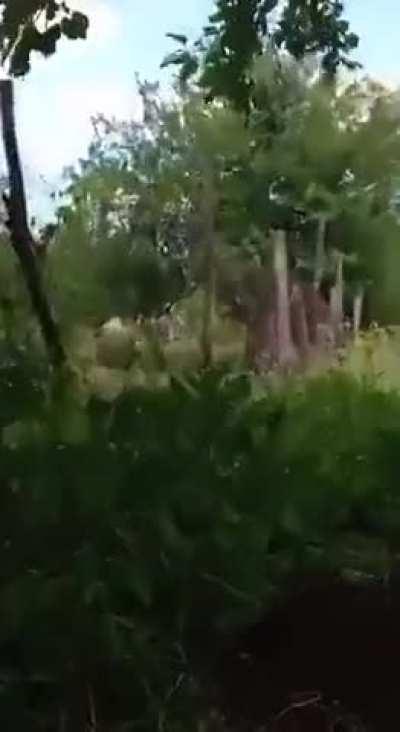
x,y
317,27
132,235
119,248
132,232
125,525
18,326
36,25
138,531
116,275
240,31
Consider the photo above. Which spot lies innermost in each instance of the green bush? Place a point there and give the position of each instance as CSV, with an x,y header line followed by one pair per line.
x,y
135,535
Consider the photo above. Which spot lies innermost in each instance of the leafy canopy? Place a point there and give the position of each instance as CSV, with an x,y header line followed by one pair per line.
x,y
36,25
240,30
132,239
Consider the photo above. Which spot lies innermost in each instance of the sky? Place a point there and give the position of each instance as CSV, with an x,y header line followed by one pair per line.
x,y
57,99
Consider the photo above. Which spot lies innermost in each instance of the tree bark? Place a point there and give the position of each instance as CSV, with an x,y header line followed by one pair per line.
x,y
299,321
261,341
208,313
320,252
336,302
206,338
21,237
286,353
358,302
317,312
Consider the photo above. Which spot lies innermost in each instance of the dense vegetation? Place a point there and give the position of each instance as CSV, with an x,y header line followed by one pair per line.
x,y
163,487
136,535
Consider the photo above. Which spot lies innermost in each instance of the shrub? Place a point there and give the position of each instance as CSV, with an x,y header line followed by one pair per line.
x,y
135,534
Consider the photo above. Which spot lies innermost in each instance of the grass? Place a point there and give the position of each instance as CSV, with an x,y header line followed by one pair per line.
x,y
376,355
123,359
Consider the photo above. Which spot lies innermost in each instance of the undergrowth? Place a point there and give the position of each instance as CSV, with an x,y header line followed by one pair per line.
x,y
136,533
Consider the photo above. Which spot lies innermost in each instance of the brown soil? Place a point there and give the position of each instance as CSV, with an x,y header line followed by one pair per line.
x,y
330,637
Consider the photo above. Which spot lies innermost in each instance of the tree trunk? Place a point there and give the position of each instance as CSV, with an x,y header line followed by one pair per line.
x,y
358,302
320,252
317,313
206,338
336,301
208,312
249,346
21,238
286,353
261,341
299,321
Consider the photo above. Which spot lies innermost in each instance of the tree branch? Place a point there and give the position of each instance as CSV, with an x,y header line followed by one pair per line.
x,y
21,237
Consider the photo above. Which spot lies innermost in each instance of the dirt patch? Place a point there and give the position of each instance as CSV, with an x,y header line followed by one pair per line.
x,y
329,638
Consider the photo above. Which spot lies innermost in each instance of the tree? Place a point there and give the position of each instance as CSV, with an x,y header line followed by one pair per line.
x,y
36,25
236,37
156,188
327,173
192,182
240,31
20,235
119,246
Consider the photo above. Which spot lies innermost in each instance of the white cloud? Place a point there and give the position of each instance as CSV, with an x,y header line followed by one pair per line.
x,y
58,136
390,80
105,29
105,21
56,101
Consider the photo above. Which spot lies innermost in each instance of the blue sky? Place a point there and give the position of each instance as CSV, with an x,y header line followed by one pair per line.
x,y
55,102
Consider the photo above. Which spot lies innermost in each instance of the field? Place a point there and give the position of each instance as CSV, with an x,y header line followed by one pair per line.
x,y
121,356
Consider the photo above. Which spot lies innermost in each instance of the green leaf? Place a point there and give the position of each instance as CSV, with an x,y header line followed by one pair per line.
x,y
182,40
76,26
188,69
176,58
268,5
48,42
141,585
292,521
52,9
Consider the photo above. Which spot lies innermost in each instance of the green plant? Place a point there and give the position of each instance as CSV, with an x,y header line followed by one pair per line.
x,y
136,534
